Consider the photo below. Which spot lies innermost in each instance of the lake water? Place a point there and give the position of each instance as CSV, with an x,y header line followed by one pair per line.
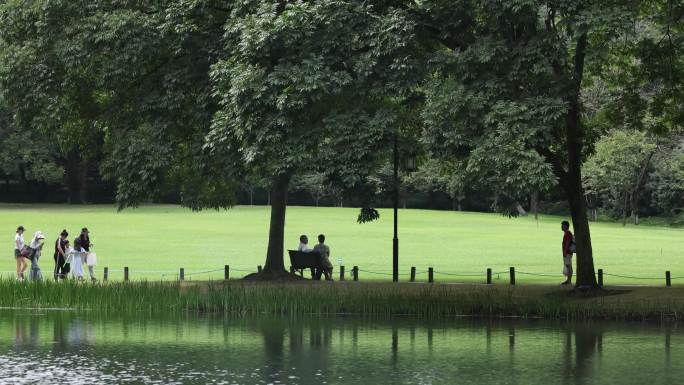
x,y
61,347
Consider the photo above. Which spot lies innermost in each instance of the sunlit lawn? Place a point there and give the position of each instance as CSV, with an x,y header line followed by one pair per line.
x,y
155,241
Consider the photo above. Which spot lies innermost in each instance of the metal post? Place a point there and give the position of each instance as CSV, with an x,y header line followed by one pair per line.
x,y
600,277
181,275
413,274
106,274
512,273
342,273
668,279
489,276
395,240
431,276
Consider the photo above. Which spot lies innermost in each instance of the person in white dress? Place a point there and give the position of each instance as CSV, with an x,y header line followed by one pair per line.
x,y
76,259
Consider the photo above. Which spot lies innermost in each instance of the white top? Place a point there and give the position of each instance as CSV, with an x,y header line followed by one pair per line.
x,y
37,238
304,247
20,238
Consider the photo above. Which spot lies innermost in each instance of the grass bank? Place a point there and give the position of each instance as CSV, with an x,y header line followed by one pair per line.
x,y
373,299
155,241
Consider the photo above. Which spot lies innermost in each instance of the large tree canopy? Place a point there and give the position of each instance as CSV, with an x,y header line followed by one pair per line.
x,y
508,94
309,86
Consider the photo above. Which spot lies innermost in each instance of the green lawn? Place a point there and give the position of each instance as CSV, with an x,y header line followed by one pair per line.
x,y
154,241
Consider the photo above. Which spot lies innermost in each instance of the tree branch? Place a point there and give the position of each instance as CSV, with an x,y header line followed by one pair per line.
x,y
555,163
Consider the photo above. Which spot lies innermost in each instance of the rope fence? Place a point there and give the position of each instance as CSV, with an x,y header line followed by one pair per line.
x,y
414,275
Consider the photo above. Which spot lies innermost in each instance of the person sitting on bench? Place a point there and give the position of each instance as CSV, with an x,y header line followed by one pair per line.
x,y
324,251
304,244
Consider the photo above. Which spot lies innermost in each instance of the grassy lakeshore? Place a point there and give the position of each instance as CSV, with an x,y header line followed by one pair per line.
x,y
371,299
155,241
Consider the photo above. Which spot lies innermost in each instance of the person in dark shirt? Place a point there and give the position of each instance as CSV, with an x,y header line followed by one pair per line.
x,y
567,249
86,245
85,239
60,256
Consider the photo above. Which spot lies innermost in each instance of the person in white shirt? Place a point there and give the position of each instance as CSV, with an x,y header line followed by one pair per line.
x,y
304,244
18,247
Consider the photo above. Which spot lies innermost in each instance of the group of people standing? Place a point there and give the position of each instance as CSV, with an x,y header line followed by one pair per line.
x,y
323,250
68,259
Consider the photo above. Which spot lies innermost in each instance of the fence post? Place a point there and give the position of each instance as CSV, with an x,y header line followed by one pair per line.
x,y
668,279
512,273
106,274
600,277
489,276
413,274
181,276
342,273
226,272
355,273
126,274
431,277
259,269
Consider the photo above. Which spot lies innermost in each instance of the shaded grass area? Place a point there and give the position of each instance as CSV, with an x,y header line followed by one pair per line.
x,y
321,298
155,241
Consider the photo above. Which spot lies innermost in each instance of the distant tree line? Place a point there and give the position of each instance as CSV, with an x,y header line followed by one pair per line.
x,y
506,106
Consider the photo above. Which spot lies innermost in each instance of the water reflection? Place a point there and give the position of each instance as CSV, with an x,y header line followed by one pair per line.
x,y
63,347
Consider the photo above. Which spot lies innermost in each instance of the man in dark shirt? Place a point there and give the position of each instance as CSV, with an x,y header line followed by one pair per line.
x,y
567,247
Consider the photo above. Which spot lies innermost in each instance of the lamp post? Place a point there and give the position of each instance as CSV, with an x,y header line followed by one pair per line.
x,y
395,240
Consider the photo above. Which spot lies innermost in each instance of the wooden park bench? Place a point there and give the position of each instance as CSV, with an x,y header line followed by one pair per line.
x,y
300,260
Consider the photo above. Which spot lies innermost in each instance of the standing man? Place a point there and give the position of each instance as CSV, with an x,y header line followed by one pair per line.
x,y
568,247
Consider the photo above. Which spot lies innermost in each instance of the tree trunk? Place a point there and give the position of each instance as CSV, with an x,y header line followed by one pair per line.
x,y
83,182
75,175
534,204
574,143
638,185
580,223
521,210
275,264
624,209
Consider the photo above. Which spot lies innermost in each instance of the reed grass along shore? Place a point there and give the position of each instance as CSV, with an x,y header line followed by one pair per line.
x,y
368,299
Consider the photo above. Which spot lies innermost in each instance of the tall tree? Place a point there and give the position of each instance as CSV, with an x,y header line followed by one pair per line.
x,y
306,85
49,80
514,82
617,170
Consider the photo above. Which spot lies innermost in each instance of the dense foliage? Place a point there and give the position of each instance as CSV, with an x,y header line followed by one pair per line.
x,y
495,104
